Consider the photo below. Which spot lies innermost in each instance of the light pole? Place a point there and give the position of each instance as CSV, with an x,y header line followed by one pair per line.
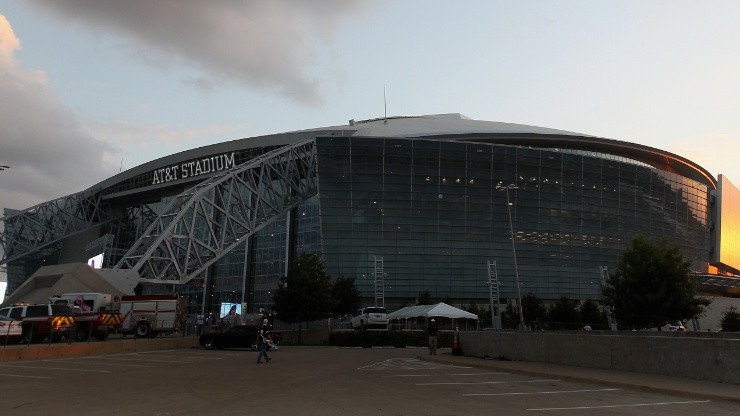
x,y
513,250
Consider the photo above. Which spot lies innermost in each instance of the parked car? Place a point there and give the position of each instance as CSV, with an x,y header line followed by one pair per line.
x,y
370,317
240,336
10,330
674,326
39,322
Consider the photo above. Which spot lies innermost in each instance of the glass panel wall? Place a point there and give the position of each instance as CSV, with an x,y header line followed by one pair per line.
x,y
432,211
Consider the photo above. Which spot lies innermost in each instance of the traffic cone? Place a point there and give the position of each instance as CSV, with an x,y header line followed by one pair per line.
x,y
456,350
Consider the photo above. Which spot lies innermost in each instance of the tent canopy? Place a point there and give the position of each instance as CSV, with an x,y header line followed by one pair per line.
x,y
440,310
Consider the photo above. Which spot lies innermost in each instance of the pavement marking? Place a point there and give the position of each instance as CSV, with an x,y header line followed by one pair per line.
x,y
108,364
195,357
408,364
544,380
619,405
146,360
538,392
18,375
451,375
54,368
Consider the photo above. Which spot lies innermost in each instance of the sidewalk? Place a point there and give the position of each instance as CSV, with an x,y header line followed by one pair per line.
x,y
650,382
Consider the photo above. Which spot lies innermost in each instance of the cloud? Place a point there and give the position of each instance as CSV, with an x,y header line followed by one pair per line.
x,y
266,45
41,141
139,139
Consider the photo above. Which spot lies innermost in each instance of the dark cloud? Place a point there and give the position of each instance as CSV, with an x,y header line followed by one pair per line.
x,y
267,45
41,141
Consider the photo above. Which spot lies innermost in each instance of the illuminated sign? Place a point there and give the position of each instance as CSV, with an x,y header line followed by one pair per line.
x,y
96,262
193,168
230,309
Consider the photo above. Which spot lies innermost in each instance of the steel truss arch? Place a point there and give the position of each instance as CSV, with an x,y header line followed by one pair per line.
x,y
203,223
33,229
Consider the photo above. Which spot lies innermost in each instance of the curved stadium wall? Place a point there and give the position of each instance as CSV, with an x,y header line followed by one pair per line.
x,y
431,210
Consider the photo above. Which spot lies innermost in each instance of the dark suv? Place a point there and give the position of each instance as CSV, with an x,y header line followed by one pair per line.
x,y
44,321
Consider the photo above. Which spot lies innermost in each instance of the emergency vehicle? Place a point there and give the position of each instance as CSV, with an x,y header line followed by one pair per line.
x,y
11,330
39,322
96,314
150,315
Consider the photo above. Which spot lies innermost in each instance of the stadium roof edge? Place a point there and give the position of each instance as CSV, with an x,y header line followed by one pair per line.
x,y
452,125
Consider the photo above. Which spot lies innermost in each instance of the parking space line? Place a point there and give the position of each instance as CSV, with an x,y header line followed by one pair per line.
x,y
194,357
544,380
450,375
54,368
620,405
21,376
99,363
409,364
538,392
146,360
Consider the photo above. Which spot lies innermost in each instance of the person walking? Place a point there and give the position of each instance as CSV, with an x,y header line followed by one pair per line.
x,y
265,341
432,334
199,321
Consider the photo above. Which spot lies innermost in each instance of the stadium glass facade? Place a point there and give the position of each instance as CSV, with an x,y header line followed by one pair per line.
x,y
430,206
432,211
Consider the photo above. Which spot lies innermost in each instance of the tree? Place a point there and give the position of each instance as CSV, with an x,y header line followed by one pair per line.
x,y
425,298
483,312
510,316
651,286
730,320
304,295
533,309
347,298
590,314
564,314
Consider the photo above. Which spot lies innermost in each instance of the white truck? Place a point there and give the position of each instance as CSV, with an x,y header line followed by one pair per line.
x,y
150,315
370,317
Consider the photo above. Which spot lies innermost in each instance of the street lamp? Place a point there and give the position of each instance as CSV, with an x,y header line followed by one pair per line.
x,y
513,250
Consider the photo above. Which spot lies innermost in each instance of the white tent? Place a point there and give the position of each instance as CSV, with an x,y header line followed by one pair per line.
x,y
441,310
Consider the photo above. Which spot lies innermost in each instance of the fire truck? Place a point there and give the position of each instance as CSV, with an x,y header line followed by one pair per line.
x,y
96,314
150,315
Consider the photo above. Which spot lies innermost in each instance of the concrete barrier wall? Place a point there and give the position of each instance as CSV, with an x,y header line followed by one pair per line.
x,y
308,336
84,349
701,358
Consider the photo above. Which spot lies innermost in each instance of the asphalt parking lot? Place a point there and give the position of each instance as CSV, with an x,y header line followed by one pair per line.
x,y
323,381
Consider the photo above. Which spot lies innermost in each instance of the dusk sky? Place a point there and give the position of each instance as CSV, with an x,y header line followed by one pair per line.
x,y
89,87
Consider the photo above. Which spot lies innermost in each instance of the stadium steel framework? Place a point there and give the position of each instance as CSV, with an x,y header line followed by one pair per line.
x,y
198,226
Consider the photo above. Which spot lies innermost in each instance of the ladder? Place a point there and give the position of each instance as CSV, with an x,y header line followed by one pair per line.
x,y
494,295
379,275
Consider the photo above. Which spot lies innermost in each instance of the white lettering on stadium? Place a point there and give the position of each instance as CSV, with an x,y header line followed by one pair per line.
x,y
193,168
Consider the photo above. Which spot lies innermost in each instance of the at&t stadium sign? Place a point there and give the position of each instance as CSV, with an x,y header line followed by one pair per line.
x,y
192,168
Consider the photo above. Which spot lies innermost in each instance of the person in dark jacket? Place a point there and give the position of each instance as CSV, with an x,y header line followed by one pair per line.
x,y
432,334
265,341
